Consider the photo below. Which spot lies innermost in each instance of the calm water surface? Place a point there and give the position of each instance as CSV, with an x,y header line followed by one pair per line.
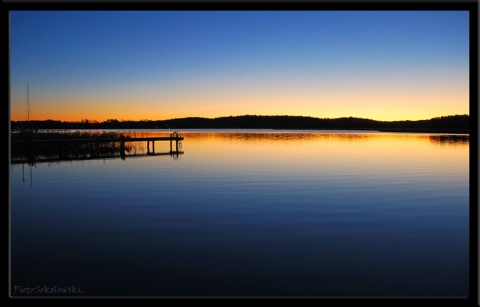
x,y
249,213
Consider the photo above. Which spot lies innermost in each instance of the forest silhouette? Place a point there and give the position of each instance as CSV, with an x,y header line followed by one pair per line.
x,y
444,124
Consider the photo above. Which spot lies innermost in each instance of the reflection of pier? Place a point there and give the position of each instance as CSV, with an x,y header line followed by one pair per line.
x,y
92,148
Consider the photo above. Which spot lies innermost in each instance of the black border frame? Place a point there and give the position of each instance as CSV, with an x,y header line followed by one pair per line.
x,y
469,5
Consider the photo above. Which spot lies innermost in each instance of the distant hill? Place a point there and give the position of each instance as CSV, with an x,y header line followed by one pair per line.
x,y
444,124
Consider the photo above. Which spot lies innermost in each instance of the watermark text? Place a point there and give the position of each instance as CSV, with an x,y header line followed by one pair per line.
x,y
46,290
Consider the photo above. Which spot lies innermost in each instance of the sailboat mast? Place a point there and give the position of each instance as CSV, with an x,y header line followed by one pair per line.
x,y
28,104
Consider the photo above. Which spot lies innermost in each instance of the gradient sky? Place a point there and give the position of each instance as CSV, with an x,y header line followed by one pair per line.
x,y
133,65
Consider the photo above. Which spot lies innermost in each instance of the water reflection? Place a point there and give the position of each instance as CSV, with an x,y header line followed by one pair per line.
x,y
254,213
33,153
287,136
450,139
31,175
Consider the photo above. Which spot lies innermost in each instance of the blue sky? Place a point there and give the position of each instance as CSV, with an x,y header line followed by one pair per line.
x,y
131,65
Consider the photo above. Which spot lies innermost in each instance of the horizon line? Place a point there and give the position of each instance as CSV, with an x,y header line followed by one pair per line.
x,y
226,116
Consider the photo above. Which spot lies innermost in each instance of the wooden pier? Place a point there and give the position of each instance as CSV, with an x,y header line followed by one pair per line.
x,y
93,144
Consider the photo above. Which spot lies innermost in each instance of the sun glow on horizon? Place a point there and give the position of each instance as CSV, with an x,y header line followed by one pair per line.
x,y
361,106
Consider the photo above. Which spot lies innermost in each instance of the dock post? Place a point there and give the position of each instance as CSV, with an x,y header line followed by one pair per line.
x,y
122,150
174,135
153,147
148,147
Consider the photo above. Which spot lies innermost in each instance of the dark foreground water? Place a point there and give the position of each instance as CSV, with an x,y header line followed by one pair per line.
x,y
259,213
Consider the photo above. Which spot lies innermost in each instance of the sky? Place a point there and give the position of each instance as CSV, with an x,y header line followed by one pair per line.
x,y
156,65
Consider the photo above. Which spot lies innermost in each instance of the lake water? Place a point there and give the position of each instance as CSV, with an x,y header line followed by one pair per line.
x,y
249,213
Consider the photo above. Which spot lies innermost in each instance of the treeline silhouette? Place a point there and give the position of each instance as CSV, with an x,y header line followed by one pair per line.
x,y
444,124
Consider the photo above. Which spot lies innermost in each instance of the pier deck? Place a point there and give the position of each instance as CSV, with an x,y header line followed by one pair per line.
x,y
93,144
